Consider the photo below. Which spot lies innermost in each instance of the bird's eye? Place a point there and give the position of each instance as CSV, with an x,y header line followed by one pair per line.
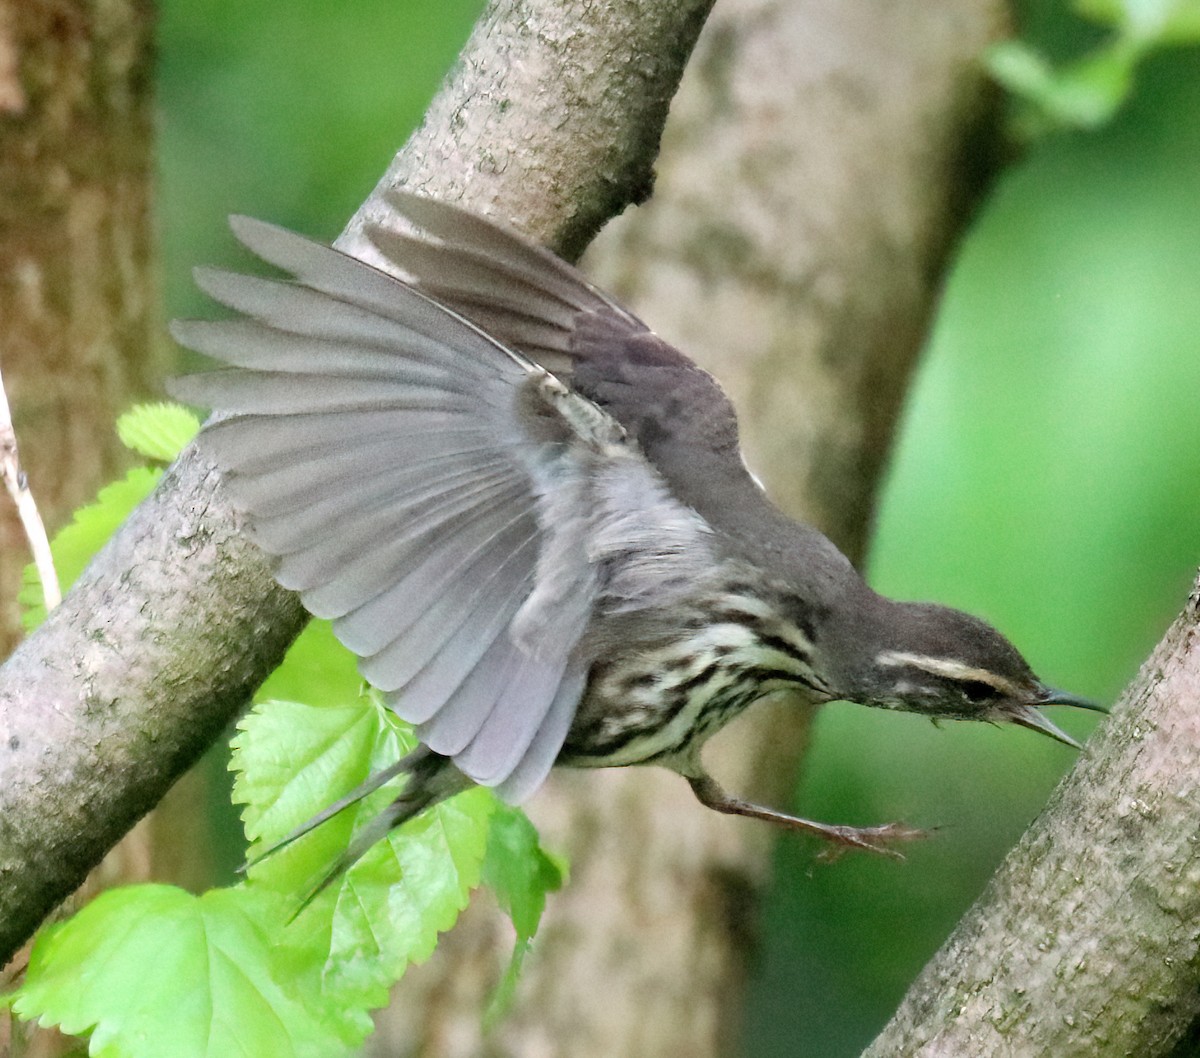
x,y
977,691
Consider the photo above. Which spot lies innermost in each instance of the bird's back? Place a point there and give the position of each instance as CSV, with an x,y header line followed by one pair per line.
x,y
699,637
676,412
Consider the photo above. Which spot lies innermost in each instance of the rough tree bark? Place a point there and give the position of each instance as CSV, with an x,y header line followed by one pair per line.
x,y
79,310
1086,942
76,158
178,619
819,163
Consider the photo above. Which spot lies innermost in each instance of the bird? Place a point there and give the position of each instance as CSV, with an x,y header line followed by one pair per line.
x,y
531,520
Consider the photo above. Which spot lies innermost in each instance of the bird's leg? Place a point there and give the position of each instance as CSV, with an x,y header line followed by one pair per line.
x,y
874,839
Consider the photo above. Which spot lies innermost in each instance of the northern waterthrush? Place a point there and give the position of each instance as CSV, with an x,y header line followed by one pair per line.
x,y
529,517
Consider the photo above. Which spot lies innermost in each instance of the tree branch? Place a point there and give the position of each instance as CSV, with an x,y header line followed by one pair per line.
x,y
17,484
178,619
1086,942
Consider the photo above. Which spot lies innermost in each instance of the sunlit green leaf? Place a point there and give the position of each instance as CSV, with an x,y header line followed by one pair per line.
x,y
1153,21
1106,12
1083,94
1087,92
520,872
292,761
317,670
1020,69
157,431
389,910
153,972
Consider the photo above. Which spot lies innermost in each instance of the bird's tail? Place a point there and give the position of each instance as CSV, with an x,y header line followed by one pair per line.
x,y
432,778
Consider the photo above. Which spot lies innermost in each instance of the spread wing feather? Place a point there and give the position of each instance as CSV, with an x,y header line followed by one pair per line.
x,y
539,758
513,289
375,441
504,736
423,572
503,253
431,679
252,344
383,448
296,309
278,393
353,557
364,471
472,275
254,443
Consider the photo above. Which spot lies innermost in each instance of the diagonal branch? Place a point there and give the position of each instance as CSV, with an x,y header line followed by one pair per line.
x,y
1087,941
178,620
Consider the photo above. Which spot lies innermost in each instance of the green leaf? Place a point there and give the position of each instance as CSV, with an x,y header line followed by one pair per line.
x,y
1106,12
157,431
317,670
388,910
1152,21
1086,93
1020,68
76,543
1183,26
1083,94
520,872
292,761
153,971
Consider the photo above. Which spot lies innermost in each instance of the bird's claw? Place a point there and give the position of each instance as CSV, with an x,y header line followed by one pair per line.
x,y
879,839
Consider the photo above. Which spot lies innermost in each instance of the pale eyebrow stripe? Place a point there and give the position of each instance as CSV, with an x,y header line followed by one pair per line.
x,y
946,667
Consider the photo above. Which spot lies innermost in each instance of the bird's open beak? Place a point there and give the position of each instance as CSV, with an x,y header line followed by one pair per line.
x,y
1028,715
1053,697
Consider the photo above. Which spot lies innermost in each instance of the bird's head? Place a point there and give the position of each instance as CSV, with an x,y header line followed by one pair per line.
x,y
946,664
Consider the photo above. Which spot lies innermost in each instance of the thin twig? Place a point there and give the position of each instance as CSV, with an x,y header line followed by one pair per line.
x,y
18,488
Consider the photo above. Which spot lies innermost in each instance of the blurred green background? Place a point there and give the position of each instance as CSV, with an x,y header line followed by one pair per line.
x,y
1046,478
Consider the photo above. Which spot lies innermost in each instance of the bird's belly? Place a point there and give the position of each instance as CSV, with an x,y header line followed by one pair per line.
x,y
651,703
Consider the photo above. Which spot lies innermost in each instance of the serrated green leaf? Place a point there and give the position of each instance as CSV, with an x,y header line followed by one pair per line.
x,y
75,544
387,911
151,971
520,873
157,431
292,761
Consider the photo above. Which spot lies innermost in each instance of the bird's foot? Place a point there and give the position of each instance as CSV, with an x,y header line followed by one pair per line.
x,y
881,839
